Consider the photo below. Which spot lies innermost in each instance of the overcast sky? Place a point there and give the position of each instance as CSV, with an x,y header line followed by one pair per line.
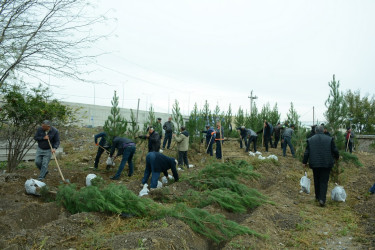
x,y
192,51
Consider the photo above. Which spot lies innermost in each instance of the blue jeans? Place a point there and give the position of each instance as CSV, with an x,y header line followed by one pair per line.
x,y
42,158
127,156
372,189
243,139
168,137
150,161
288,141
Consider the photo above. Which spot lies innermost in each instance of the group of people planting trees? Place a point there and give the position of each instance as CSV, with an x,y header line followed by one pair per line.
x,y
259,128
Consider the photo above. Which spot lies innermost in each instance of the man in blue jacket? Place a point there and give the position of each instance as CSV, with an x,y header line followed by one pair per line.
x,y
45,135
243,135
126,148
321,153
102,145
157,163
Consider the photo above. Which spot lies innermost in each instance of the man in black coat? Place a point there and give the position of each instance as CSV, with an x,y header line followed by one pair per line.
x,y
154,140
126,148
266,134
276,132
157,163
321,153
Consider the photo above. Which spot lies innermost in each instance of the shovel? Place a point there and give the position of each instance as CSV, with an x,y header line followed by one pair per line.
x,y
66,181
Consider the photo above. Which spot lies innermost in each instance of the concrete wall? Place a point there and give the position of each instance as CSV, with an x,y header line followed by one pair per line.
x,y
364,142
94,115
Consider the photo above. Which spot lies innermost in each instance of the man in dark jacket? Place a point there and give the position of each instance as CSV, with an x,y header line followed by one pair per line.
x,y
210,138
126,148
266,134
169,128
153,140
48,140
219,138
243,135
312,132
276,133
102,145
157,163
320,153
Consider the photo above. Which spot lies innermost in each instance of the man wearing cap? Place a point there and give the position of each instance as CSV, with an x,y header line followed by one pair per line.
x,y
48,140
169,128
153,138
210,138
243,135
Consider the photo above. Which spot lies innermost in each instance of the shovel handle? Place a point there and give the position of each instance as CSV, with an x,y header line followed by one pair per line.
x,y
54,156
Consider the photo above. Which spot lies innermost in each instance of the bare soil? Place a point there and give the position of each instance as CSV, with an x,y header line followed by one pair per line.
x,y
292,220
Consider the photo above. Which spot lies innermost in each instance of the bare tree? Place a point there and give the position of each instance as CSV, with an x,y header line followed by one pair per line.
x,y
41,37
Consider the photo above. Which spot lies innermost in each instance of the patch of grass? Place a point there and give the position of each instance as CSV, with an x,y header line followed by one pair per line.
x,y
348,157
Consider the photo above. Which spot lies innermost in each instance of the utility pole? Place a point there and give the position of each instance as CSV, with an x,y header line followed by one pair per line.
x,y
313,116
251,101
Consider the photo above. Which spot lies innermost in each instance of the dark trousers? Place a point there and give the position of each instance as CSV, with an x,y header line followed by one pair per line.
x,y
98,155
150,169
168,137
254,140
182,159
127,156
243,139
209,147
276,141
321,177
218,149
266,141
349,147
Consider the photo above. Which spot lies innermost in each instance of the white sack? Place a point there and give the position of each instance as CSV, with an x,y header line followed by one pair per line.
x,y
89,178
144,190
305,184
160,185
31,185
338,193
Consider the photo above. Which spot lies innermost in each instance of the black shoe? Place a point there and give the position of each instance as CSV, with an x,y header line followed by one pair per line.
x,y
114,178
130,175
108,167
46,174
322,203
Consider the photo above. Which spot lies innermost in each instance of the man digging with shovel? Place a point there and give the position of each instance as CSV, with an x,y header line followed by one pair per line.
x,y
48,141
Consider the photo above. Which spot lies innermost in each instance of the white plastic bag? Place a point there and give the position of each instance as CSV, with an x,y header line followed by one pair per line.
x,y
164,180
305,184
258,153
89,178
160,185
260,157
144,190
251,153
338,193
170,177
110,161
273,157
31,186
